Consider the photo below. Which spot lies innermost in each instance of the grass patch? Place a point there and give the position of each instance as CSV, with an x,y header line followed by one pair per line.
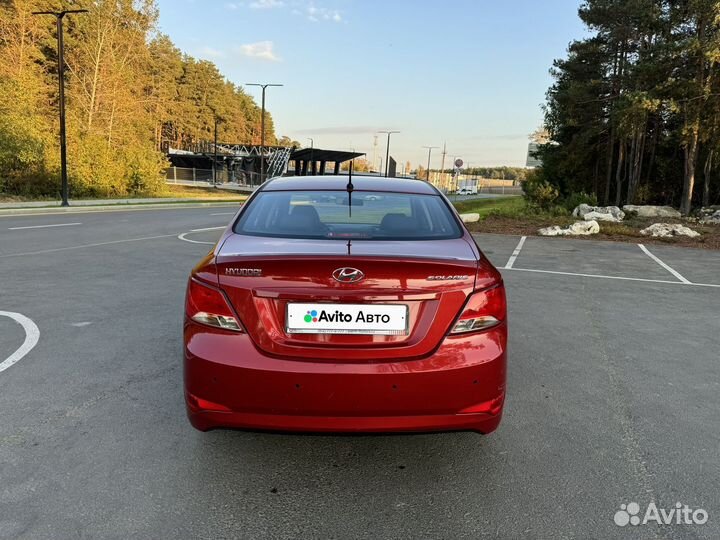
x,y
500,206
618,229
512,215
205,193
19,198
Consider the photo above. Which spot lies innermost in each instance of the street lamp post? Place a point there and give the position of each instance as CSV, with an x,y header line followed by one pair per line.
x,y
262,126
312,150
429,149
59,16
215,147
387,152
215,151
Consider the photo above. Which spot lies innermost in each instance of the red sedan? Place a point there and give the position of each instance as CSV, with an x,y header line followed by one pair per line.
x,y
345,306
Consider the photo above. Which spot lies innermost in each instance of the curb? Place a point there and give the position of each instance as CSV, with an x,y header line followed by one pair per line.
x,y
124,207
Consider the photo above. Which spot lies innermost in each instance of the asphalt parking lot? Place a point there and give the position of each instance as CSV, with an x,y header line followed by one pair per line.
x,y
614,397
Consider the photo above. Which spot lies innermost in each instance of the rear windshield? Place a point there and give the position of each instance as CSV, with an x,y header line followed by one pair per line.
x,y
366,215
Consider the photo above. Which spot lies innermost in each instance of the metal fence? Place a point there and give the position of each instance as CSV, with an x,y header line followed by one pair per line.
x,y
250,180
494,190
501,190
183,175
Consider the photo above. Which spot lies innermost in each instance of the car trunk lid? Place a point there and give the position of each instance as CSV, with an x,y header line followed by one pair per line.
x,y
262,277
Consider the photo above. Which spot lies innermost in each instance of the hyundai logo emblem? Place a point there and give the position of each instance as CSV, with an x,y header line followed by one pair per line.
x,y
348,275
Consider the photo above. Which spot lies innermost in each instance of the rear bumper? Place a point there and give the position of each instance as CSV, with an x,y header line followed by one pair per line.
x,y
230,384
481,423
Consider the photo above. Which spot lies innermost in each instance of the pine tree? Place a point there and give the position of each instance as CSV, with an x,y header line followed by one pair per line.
x,y
633,107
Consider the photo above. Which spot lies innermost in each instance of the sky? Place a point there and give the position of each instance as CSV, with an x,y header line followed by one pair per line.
x,y
471,74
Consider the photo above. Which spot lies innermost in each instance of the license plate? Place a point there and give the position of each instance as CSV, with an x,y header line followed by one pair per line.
x,y
377,319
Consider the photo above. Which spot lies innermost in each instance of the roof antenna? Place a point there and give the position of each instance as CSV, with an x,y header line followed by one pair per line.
x,y
350,189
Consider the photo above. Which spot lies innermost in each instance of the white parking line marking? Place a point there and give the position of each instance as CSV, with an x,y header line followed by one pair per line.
x,y
224,214
688,283
43,226
184,239
515,253
82,246
207,229
665,266
32,335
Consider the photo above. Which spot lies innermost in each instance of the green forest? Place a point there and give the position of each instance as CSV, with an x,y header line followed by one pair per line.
x,y
633,115
129,92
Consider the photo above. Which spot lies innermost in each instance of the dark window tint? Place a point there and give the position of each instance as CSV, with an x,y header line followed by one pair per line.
x,y
335,215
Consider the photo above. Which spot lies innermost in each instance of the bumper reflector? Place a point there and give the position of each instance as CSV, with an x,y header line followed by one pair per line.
x,y
198,404
494,406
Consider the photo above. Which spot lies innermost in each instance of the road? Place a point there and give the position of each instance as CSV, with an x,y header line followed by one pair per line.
x,y
614,395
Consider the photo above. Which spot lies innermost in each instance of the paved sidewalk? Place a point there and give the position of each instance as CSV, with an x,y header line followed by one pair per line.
x,y
108,202
110,205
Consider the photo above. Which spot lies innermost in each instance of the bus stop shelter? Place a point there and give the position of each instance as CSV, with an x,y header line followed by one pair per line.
x,y
313,161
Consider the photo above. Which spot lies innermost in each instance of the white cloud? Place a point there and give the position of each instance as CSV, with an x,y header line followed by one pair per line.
x,y
308,9
262,50
266,4
317,14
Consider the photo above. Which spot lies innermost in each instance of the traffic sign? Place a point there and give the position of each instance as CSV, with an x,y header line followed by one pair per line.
x,y
458,163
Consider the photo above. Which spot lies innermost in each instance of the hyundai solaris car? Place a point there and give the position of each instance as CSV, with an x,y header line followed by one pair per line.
x,y
345,305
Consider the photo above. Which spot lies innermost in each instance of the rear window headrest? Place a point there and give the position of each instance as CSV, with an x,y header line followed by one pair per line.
x,y
397,223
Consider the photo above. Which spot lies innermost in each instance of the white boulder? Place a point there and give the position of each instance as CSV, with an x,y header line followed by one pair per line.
x,y
601,216
652,211
668,230
579,228
470,218
555,230
581,210
711,219
584,228
601,213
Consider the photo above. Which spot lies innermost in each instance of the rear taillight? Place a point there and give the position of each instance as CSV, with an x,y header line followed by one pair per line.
x,y
208,305
483,310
